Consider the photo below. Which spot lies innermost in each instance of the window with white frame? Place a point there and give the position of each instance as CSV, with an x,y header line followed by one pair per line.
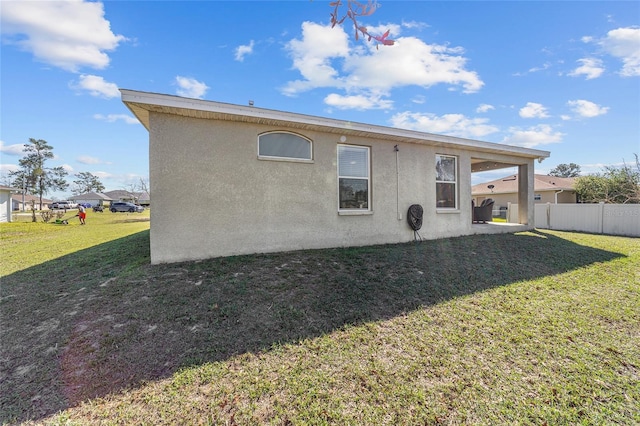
x,y
284,146
353,178
446,182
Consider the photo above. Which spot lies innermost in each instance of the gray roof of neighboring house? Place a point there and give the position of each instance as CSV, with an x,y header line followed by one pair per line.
x,y
122,194
509,184
91,196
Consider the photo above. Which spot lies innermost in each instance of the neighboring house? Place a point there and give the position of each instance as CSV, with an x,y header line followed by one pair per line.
x,y
272,181
93,198
547,189
5,202
144,198
20,202
141,198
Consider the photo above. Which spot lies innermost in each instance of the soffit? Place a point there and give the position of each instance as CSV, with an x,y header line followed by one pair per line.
x,y
143,103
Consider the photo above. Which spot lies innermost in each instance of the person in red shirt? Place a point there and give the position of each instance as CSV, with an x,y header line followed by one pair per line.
x,y
82,214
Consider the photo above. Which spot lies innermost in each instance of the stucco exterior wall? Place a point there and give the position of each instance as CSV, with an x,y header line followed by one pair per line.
x,y
5,206
214,197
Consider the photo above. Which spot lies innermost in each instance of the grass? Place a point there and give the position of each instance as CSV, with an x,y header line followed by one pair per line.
x,y
531,328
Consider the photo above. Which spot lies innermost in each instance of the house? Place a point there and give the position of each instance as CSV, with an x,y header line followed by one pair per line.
x,y
141,198
547,189
22,202
272,181
93,198
5,202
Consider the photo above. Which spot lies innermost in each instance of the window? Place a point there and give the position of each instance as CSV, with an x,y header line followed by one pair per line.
x,y
284,146
353,178
446,182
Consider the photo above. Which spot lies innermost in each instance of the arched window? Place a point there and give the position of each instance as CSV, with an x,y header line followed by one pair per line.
x,y
284,146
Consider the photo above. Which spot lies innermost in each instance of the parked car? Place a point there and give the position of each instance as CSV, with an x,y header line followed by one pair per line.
x,y
63,205
85,205
125,207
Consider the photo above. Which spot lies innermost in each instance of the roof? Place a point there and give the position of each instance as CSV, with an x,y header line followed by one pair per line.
x,y
142,104
28,198
9,188
123,194
509,184
91,196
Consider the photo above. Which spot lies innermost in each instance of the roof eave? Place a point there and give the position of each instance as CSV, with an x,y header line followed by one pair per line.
x,y
142,103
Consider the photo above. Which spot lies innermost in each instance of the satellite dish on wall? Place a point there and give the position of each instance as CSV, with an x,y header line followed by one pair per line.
x,y
491,187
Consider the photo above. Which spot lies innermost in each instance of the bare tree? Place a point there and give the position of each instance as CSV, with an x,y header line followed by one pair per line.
x,y
136,189
355,10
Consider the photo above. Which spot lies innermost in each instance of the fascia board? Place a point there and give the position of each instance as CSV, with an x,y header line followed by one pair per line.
x,y
140,103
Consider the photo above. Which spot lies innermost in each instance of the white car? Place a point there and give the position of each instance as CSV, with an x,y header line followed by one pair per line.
x,y
63,205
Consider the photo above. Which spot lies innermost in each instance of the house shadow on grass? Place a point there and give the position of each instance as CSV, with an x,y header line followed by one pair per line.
x,y
104,320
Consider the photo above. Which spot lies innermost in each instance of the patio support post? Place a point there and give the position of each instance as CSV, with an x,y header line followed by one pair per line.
x,y
525,194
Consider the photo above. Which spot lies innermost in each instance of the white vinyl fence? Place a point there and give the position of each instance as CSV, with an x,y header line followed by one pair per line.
x,y
611,219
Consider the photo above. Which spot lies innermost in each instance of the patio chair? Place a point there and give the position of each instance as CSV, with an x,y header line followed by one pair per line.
x,y
484,212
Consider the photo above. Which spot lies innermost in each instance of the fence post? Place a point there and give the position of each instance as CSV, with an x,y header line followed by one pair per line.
x,y
601,217
548,215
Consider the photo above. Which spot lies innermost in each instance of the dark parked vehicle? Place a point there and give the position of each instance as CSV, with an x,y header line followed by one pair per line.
x,y
98,208
125,207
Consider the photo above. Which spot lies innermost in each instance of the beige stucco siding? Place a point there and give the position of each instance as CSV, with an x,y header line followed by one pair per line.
x,y
230,202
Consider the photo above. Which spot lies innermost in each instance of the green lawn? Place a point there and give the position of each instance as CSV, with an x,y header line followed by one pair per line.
x,y
532,328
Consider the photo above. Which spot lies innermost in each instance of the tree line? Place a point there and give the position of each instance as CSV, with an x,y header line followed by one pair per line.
x,y
614,185
36,178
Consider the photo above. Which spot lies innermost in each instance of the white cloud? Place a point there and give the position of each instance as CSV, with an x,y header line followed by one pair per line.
x,y
359,102
325,60
542,134
313,54
190,87
621,43
112,118
533,110
484,108
545,66
624,43
587,109
9,168
14,149
102,175
67,168
415,25
244,50
86,159
68,34
96,86
448,124
591,68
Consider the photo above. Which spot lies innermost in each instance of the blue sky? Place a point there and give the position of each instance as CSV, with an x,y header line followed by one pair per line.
x,y
562,76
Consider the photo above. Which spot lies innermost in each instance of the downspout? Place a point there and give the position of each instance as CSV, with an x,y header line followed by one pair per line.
x,y
398,213
556,195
